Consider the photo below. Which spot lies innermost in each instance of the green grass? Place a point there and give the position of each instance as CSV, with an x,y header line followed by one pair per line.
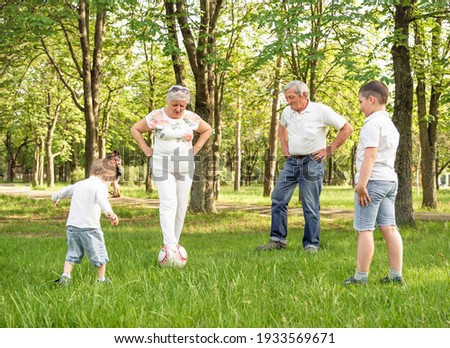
x,y
332,197
226,282
340,197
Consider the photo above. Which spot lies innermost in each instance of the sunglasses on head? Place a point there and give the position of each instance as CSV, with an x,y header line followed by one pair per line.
x,y
179,89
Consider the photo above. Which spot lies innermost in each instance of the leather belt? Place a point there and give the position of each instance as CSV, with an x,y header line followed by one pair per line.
x,y
301,156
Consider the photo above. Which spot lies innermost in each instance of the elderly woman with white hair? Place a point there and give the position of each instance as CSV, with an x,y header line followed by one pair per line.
x,y
172,157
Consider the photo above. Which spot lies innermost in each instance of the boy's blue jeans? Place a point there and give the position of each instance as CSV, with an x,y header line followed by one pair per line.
x,y
308,174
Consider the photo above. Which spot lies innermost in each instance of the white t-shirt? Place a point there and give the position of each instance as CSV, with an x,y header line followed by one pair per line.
x,y
379,131
307,130
173,141
89,198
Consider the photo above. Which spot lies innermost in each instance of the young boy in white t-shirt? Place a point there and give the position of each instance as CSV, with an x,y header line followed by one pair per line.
x,y
83,230
376,187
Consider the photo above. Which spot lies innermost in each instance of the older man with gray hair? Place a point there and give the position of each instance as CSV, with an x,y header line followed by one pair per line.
x,y
302,132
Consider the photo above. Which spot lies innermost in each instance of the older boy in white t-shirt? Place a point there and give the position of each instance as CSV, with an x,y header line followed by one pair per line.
x,y
376,187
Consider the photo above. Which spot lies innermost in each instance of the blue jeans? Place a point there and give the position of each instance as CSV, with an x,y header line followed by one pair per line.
x,y
308,174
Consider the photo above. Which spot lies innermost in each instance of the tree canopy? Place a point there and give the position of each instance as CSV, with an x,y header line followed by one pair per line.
x,y
77,74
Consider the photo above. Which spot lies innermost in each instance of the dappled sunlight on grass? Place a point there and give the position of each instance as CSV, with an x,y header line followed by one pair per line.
x,y
227,281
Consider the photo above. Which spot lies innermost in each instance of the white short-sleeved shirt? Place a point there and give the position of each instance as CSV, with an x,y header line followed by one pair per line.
x,y
380,132
173,140
89,198
307,130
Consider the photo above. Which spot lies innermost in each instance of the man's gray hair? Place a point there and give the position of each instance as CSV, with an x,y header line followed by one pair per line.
x,y
299,87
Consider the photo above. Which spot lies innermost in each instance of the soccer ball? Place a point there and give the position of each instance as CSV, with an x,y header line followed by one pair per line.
x,y
172,255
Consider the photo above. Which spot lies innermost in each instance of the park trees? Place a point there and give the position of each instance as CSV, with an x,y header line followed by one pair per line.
x,y
229,53
403,104
431,60
199,38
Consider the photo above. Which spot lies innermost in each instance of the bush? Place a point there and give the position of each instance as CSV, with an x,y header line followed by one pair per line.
x,y
77,175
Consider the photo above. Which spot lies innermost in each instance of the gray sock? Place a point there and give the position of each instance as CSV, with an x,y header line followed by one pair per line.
x,y
394,274
361,275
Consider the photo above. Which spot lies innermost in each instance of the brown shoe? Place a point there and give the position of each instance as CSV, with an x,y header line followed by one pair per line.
x,y
272,245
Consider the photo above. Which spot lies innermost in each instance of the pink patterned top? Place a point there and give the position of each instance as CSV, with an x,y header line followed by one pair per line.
x,y
173,140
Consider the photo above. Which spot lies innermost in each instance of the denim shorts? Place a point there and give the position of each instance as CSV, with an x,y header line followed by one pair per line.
x,y
381,210
87,241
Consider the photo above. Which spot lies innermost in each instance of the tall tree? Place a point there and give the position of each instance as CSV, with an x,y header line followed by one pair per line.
x,y
430,57
172,43
52,118
229,66
89,68
38,161
403,105
271,151
13,153
201,60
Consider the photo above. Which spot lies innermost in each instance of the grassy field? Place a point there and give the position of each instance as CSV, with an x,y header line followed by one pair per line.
x,y
226,282
332,197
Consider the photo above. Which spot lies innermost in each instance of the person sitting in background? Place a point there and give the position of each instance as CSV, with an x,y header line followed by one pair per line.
x,y
117,162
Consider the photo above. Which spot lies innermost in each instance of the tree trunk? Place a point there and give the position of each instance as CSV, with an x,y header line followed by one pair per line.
x,y
317,11
41,160
353,170
402,117
91,79
52,119
34,180
177,61
38,162
13,156
427,148
217,137
149,185
236,17
74,159
271,151
50,166
237,143
11,159
330,170
90,73
202,194
428,125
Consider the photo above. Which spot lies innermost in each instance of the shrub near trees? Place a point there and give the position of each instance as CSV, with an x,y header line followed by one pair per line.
x,y
76,75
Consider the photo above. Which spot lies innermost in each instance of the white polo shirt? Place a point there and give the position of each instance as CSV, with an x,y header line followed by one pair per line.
x,y
379,131
307,130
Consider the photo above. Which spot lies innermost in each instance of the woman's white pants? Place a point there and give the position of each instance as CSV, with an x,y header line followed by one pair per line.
x,y
173,192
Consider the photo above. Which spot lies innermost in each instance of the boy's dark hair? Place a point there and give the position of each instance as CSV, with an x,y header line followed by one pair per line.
x,y
377,89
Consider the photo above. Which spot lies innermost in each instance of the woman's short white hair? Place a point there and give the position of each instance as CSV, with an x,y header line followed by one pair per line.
x,y
299,87
177,93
